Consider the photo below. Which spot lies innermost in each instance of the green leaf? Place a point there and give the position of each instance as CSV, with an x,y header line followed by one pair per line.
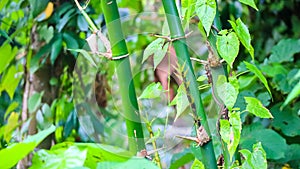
x,y
11,125
274,144
286,120
292,95
159,55
10,108
197,165
82,23
236,128
37,7
133,163
201,78
46,33
34,102
55,49
284,50
65,19
250,3
255,107
227,93
60,158
228,47
152,48
243,33
9,53
292,153
4,34
182,158
225,131
152,91
86,55
3,3
256,159
181,101
11,80
231,131
206,11
15,152
258,73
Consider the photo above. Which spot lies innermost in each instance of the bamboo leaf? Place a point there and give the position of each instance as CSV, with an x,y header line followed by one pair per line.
x,y
255,107
243,33
228,47
181,101
86,55
159,55
152,48
206,11
250,3
258,73
152,91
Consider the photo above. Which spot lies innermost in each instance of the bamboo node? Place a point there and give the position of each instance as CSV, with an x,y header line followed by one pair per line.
x,y
120,57
169,39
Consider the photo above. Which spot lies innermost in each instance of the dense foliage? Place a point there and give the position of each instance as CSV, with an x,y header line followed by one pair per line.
x,y
66,103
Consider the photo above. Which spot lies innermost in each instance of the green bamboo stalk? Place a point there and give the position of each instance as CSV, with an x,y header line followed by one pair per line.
x,y
180,46
119,48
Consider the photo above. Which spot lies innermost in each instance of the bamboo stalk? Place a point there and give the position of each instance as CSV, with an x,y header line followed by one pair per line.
x,y
180,46
122,65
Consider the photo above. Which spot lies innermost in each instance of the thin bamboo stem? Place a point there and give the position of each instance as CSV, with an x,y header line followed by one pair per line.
x,y
180,46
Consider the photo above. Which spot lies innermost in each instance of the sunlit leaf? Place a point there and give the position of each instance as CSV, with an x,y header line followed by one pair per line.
x,y
227,93
60,158
256,159
255,107
11,155
133,163
11,80
11,125
236,125
225,131
243,33
228,47
250,3
258,73
197,165
206,11
9,53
